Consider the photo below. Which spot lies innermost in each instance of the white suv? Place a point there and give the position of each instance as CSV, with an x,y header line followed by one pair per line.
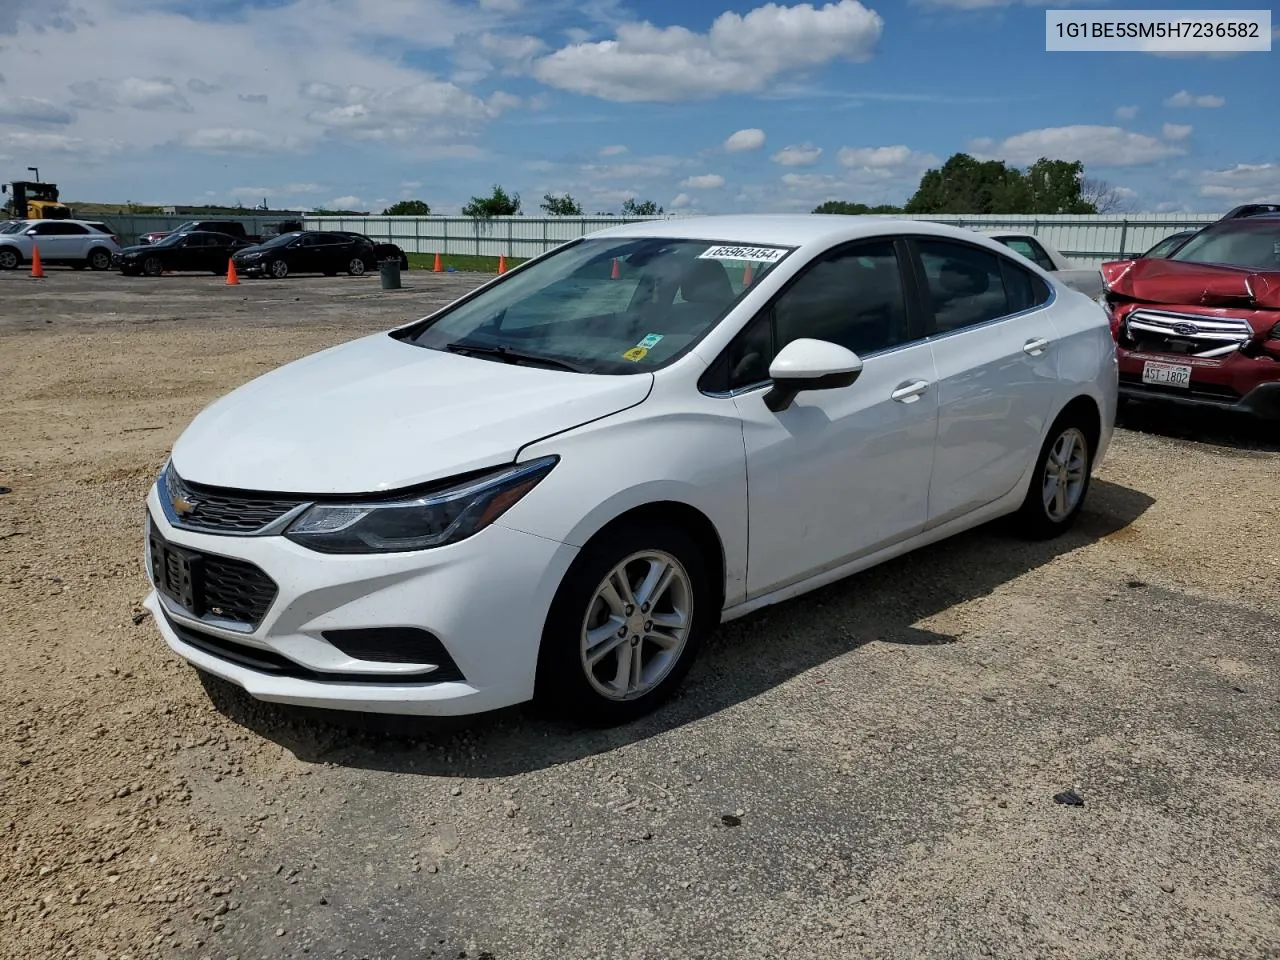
x,y
76,243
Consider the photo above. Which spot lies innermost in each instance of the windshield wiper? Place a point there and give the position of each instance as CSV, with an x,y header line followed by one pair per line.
x,y
511,356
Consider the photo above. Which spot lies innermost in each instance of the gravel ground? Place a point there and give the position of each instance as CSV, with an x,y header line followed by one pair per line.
x,y
865,771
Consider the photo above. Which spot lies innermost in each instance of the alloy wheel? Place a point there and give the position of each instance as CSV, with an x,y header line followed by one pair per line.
x,y
1065,472
636,625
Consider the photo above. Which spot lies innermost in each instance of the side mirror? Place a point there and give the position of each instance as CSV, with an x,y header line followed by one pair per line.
x,y
806,364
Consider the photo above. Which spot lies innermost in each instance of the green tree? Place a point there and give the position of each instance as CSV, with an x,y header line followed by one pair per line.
x,y
497,204
408,208
966,185
854,209
643,208
562,206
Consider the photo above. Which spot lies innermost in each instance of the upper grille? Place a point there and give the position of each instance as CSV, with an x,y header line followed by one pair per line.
x,y
1185,334
221,511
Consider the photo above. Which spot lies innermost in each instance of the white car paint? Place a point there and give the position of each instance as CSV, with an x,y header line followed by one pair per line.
x,y
934,437
1088,280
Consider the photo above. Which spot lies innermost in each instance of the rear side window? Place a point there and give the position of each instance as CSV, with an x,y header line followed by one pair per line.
x,y
59,229
966,285
1029,249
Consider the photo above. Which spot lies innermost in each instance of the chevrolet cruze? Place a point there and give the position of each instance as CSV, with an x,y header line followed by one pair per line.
x,y
556,486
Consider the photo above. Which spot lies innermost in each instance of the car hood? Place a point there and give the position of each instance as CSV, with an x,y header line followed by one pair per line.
x,y
138,248
1172,281
378,414
252,248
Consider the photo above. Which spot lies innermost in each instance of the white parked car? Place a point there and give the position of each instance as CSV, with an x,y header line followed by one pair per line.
x,y
74,243
1088,280
559,484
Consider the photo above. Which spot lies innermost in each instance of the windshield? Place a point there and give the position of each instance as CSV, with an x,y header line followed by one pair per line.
x,y
15,226
1255,245
170,241
282,240
608,305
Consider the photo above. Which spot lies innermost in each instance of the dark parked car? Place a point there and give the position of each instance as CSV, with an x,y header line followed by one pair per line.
x,y
197,250
1166,246
307,252
232,228
383,251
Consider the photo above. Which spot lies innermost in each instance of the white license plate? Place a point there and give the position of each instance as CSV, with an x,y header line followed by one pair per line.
x,y
1166,374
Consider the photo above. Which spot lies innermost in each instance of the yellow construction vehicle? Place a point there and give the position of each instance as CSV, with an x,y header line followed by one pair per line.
x,y
33,200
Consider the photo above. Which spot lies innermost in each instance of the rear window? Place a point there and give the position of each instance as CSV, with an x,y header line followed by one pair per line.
x,y
1252,245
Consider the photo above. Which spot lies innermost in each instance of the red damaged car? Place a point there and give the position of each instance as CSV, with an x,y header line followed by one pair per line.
x,y
1202,327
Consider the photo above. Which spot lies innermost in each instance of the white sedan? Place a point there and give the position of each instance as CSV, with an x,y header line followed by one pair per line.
x,y
1088,280
559,484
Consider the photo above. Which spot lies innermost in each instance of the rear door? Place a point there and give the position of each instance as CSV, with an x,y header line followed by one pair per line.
x,y
996,353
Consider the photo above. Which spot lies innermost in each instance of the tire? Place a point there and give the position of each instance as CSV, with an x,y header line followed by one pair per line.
x,y
152,266
99,259
580,614
9,258
279,269
1040,517
356,267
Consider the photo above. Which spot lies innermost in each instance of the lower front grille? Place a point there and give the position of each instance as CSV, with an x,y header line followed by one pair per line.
x,y
270,662
235,590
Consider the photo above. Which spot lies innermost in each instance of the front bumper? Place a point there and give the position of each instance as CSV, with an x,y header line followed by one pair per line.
x,y
485,598
1236,383
251,268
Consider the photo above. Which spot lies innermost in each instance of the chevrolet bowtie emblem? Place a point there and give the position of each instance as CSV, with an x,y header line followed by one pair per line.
x,y
182,506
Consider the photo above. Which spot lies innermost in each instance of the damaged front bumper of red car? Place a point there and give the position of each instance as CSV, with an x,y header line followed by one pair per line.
x,y
1196,335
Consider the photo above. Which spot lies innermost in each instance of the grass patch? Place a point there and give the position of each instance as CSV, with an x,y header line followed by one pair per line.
x,y
461,262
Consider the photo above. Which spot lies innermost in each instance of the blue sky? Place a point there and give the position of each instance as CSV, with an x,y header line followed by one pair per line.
x,y
700,105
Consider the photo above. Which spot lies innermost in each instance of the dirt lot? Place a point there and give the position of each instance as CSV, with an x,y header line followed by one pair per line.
x,y
867,771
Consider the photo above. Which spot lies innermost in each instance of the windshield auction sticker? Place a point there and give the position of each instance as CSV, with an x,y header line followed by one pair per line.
x,y
754,254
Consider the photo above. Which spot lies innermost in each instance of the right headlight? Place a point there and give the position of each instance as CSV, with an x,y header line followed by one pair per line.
x,y
431,520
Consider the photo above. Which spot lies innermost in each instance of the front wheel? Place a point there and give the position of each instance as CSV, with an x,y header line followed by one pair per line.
x,y
9,259
99,259
1060,480
356,267
625,625
279,269
152,267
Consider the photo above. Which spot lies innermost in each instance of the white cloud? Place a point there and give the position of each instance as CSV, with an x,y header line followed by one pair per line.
x,y
706,181
411,185
613,150
1126,113
1095,145
22,142
346,203
502,6
895,157
797,155
1176,131
235,139
294,188
251,193
252,97
24,111
739,54
742,140
681,200
153,93
1185,99
196,85
1242,183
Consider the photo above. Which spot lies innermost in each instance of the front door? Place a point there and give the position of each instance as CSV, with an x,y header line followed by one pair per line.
x,y
844,472
996,356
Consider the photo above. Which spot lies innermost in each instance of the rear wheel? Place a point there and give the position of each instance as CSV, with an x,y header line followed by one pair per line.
x,y
152,267
625,625
9,258
99,259
1060,479
279,269
356,267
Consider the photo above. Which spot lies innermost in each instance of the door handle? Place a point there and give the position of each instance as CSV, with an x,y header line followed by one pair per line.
x,y
1035,347
910,391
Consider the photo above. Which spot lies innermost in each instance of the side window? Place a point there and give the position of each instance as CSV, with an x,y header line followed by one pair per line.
x,y
1024,288
1028,248
852,297
51,229
965,284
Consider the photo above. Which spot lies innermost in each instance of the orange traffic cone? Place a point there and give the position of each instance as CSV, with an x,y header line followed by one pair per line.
x,y
231,273
437,268
37,268
614,273
502,263
747,276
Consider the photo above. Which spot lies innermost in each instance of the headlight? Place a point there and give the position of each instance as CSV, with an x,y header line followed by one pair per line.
x,y
248,256
431,520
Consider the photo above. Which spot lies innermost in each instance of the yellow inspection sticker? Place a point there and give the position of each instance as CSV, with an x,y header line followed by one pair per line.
x,y
636,354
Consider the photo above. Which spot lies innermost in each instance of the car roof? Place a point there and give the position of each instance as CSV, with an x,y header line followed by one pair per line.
x,y
793,230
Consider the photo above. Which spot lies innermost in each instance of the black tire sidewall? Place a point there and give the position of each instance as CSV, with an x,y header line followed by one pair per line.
x,y
146,267
17,260
106,264
562,685
1034,519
